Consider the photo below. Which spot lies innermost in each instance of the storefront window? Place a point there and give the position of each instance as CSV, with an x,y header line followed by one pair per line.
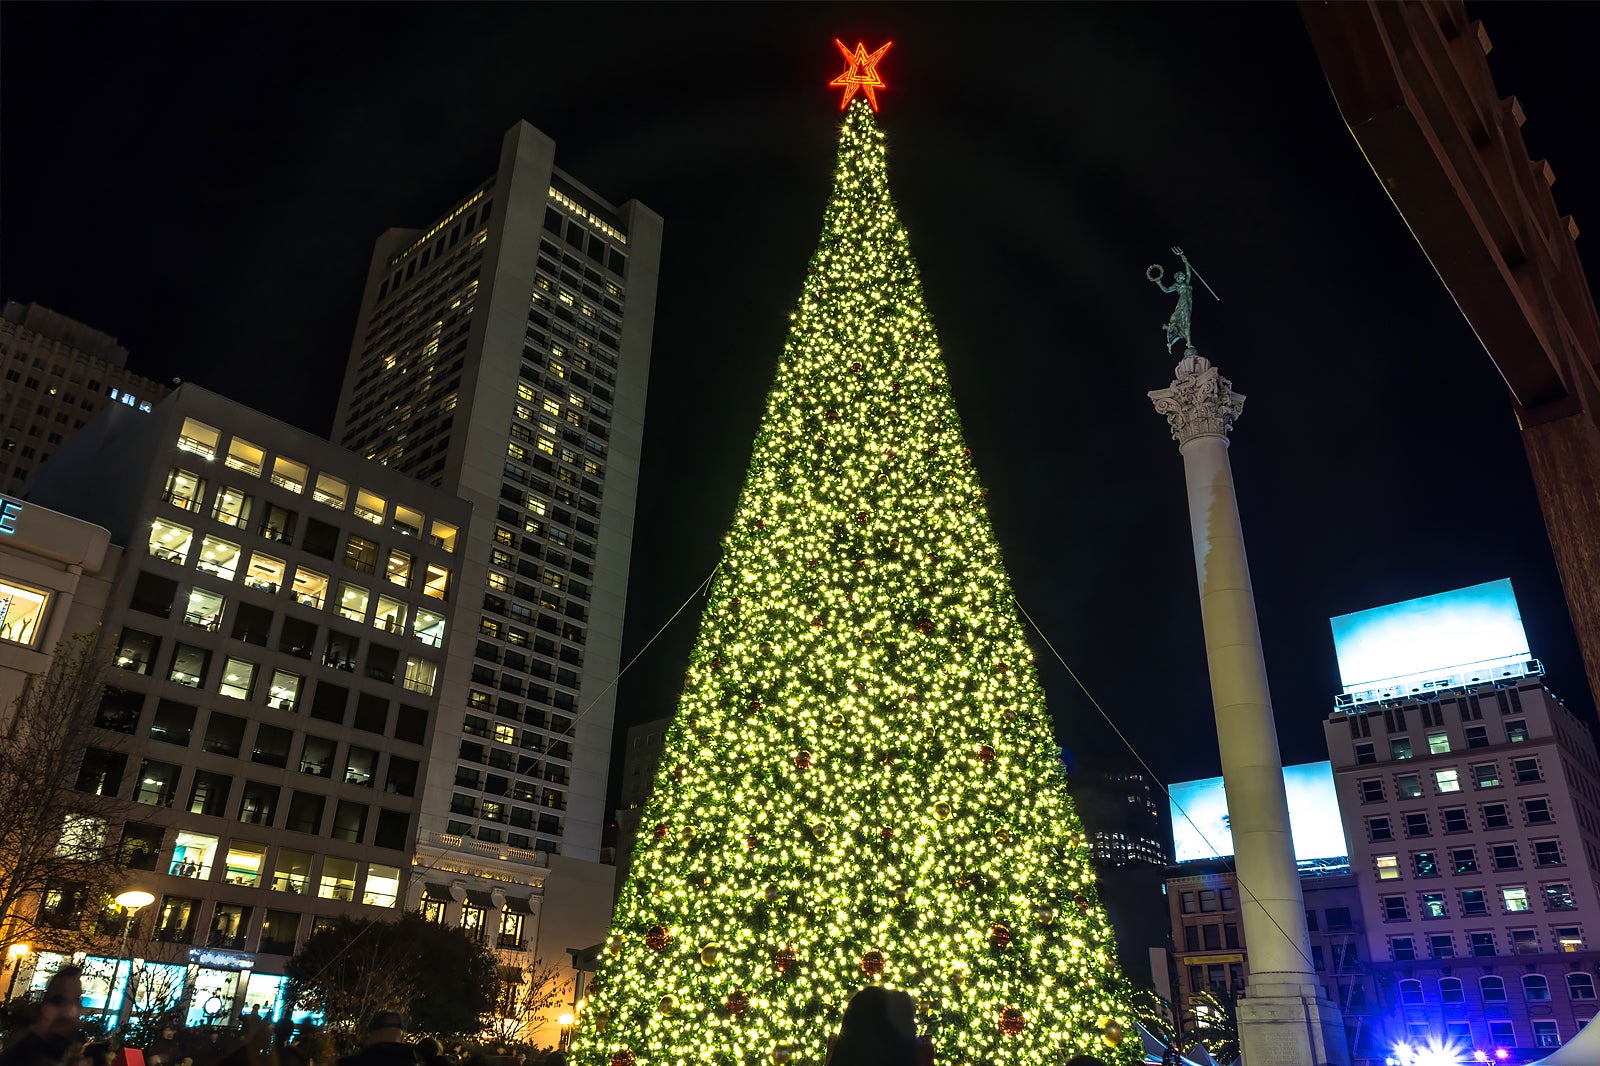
x,y
265,995
213,996
21,610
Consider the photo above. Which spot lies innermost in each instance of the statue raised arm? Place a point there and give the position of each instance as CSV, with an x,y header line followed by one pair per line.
x,y
1180,325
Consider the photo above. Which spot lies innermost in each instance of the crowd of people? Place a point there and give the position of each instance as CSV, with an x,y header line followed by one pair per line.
x,y
878,1029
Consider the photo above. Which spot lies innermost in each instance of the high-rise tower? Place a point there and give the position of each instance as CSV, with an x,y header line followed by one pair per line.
x,y
502,353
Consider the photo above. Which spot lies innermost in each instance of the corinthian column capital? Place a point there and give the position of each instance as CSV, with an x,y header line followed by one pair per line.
x,y
1200,402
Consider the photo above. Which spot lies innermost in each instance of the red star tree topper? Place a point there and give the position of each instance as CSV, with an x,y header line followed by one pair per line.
x,y
863,73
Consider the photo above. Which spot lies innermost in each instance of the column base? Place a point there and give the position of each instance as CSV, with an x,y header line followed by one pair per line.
x,y
1290,1025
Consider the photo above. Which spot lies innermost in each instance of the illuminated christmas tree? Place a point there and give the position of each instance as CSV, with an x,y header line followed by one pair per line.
x,y
861,783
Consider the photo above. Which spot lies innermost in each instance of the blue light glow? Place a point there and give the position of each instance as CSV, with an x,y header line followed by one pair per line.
x,y
1200,827
1416,644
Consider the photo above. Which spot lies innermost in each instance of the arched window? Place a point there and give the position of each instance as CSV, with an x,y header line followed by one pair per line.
x,y
1493,989
1411,993
1450,990
1580,986
1535,988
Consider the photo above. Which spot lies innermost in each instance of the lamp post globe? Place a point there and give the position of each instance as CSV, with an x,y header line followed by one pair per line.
x,y
15,953
131,901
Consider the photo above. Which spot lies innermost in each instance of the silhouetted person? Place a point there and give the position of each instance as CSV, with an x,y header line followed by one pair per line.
x,y
429,1053
384,1044
879,1028
164,1050
53,1038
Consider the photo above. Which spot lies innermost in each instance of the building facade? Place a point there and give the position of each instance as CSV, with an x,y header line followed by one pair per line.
x,y
55,576
279,620
58,373
1473,817
1211,954
641,759
502,354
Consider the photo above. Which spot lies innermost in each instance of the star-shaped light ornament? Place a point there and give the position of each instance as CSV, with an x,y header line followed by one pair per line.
x,y
863,73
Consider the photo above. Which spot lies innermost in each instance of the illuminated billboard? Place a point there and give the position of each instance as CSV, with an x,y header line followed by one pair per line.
x,y
1450,639
1200,827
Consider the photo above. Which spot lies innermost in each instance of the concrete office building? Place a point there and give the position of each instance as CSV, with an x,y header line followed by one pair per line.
x,y
1473,817
641,759
279,627
502,354
58,373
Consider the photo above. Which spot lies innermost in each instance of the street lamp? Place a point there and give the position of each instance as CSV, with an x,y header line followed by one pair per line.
x,y
129,901
15,953
565,1020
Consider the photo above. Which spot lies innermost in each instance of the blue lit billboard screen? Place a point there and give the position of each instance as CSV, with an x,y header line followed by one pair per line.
x,y
1386,647
1200,827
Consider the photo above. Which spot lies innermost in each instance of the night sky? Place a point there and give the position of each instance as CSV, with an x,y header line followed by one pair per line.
x,y
205,182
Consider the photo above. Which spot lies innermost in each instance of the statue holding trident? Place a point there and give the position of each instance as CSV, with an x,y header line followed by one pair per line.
x,y
1180,325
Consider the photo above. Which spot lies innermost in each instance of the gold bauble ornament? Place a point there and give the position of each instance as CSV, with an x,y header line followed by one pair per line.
x,y
1110,1032
820,831
710,954
782,1053
1002,835
614,944
771,894
668,1005
901,893
941,811
602,1021
1046,914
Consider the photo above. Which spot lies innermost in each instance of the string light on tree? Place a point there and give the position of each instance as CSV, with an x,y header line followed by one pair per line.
x,y
861,747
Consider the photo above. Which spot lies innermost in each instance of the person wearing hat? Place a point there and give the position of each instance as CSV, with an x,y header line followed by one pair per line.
x,y
384,1044
164,1050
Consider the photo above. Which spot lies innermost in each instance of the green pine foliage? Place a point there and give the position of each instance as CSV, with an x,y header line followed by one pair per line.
x,y
861,783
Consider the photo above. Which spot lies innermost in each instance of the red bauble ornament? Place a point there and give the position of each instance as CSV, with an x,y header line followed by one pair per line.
x,y
761,523
985,753
856,367
716,664
861,516
817,622
1082,902
661,831
1012,1022
656,938
999,935
924,625
802,760
887,832
832,416
752,841
622,1058
872,963
734,603
737,1002
784,960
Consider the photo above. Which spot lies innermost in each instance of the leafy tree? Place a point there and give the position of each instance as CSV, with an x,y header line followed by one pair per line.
x,y
1216,1025
58,862
861,784
440,979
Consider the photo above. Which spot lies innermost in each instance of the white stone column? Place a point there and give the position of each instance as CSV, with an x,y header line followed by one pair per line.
x,y
1284,1020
